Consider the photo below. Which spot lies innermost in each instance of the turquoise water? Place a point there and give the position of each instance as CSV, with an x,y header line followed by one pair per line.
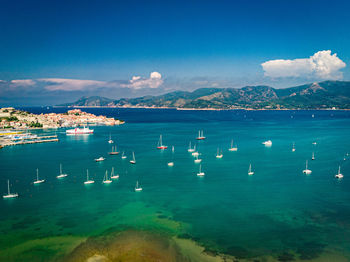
x,y
276,210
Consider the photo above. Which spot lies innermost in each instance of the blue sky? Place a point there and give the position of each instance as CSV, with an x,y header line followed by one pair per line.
x,y
223,43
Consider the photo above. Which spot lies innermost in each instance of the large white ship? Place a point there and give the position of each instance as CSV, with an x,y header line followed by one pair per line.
x,y
77,131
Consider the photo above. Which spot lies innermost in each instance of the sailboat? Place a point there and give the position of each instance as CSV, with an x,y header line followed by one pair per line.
x,y
171,164
339,175
9,194
105,179
313,156
197,160
61,175
293,148
200,173
172,149
233,148
87,178
100,159
110,141
123,155
114,151
219,155
160,143
200,135
133,161
250,172
267,143
113,176
137,187
190,149
195,154
38,181
307,171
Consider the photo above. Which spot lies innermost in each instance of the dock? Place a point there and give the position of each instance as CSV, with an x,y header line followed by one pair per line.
x,y
39,139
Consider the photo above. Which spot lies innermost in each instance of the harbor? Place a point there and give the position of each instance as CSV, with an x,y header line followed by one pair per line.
x,y
7,141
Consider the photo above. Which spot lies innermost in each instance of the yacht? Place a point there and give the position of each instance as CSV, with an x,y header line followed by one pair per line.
x,y
100,159
160,144
9,194
106,180
219,155
137,187
233,148
200,173
110,141
195,154
307,171
114,176
197,160
313,156
61,175
114,151
38,181
79,131
123,155
339,175
190,149
293,148
133,161
250,172
87,182
200,135
267,143
171,164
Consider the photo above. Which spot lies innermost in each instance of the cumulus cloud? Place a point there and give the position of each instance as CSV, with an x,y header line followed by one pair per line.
x,y
322,65
136,82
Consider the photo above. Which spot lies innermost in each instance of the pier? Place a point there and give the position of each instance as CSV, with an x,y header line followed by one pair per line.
x,y
40,139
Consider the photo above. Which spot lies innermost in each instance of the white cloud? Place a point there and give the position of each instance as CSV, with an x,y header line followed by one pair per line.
x,y
137,82
53,84
22,82
322,65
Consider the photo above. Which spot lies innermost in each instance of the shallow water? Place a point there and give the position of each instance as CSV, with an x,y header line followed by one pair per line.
x,y
277,210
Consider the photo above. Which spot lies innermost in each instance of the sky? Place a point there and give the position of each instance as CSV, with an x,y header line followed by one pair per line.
x,y
56,51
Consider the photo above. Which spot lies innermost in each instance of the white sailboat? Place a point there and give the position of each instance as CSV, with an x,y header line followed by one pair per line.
x,y
110,141
190,149
114,176
38,181
88,181
339,175
123,155
313,156
137,187
233,148
200,173
293,148
100,159
105,179
171,164
61,175
133,161
219,154
307,171
9,194
267,143
160,143
197,160
250,172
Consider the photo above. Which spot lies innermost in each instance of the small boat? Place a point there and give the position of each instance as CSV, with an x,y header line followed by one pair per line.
x,y
173,149
87,182
133,161
190,149
200,135
197,160
313,156
195,154
123,155
171,164
339,175
250,172
219,155
114,151
314,143
9,194
79,131
267,143
38,181
160,144
110,141
137,187
100,159
114,176
200,173
233,148
293,148
61,175
307,171
105,179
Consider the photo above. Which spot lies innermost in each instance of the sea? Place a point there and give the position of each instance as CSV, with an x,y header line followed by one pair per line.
x,y
277,214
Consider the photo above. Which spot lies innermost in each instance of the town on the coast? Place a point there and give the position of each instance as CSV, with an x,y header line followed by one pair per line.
x,y
14,124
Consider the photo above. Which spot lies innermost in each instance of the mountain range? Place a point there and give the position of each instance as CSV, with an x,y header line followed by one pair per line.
x,y
322,95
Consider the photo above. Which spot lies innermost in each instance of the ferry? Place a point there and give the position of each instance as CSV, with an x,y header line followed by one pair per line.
x,y
79,131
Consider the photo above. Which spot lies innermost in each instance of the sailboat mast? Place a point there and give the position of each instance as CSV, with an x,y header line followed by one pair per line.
x,y
60,168
87,174
8,186
37,174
